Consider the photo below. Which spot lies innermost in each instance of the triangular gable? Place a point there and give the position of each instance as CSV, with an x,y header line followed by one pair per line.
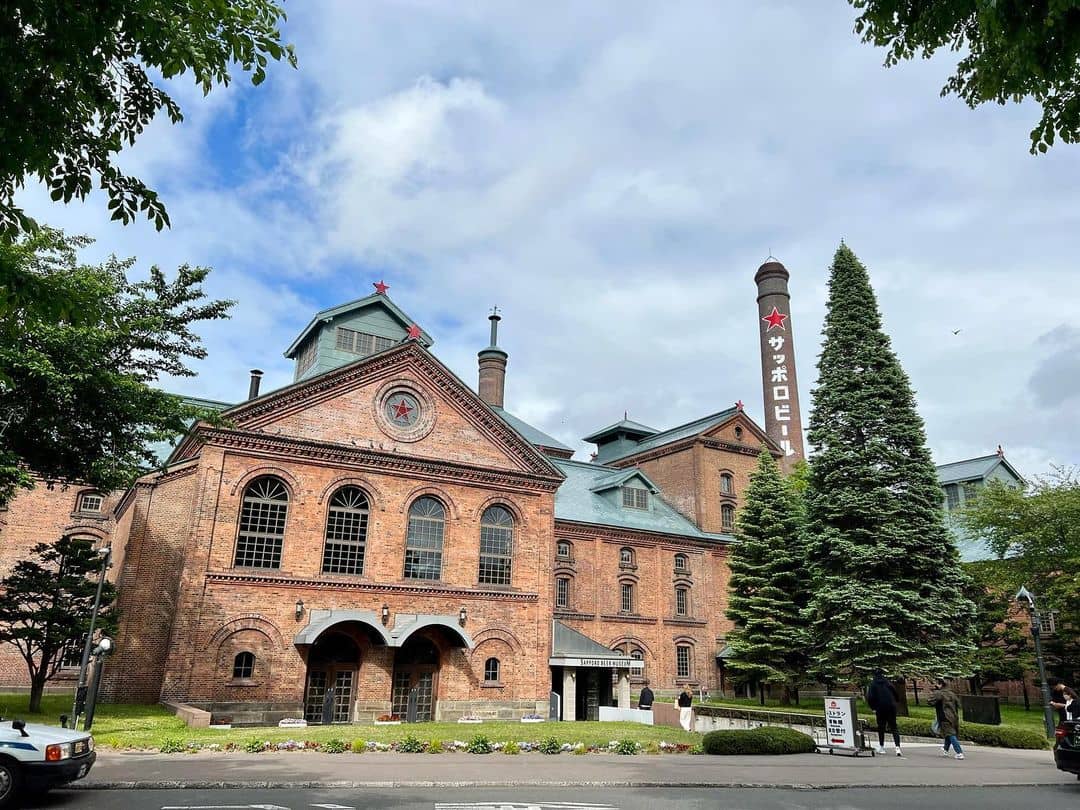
x,y
376,300
725,427
285,410
623,477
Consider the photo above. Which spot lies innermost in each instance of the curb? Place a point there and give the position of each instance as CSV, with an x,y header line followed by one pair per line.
x,y
384,785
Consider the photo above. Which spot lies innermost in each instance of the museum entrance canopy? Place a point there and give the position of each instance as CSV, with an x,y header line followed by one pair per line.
x,y
569,648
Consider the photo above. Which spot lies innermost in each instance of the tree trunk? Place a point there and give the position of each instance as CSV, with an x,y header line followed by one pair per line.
x,y
785,695
37,688
900,685
1023,686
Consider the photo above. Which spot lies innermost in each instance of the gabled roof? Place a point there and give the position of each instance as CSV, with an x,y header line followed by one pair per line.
x,y
343,309
162,450
619,478
627,426
680,432
577,501
973,469
531,434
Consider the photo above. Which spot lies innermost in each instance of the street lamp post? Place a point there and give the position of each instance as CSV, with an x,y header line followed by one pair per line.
x,y
80,691
1026,599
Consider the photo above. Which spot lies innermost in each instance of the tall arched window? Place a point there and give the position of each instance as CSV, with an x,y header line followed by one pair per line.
x,y
491,670
727,517
262,524
638,655
626,604
346,532
243,665
423,546
496,545
727,484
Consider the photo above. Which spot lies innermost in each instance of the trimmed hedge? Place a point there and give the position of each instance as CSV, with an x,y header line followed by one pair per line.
x,y
764,740
1000,736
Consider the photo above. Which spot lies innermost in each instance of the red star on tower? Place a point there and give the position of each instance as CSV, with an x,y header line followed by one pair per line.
x,y
401,409
775,318
381,287
414,332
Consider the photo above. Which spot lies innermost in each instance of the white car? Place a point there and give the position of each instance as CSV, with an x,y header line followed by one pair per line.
x,y
35,758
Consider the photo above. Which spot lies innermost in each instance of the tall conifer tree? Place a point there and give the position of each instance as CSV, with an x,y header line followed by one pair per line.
x,y
888,586
768,586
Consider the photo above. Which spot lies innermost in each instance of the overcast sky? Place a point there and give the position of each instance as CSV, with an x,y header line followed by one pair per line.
x,y
611,175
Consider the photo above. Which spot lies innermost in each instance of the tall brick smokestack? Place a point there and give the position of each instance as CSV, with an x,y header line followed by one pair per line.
x,y
493,366
783,418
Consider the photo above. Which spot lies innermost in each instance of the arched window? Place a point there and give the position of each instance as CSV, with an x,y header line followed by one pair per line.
x,y
626,556
346,532
682,601
423,546
638,655
562,550
681,562
491,670
496,545
727,517
627,594
262,524
727,484
562,593
243,665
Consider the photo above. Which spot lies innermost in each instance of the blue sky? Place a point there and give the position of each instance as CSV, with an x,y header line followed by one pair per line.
x,y
611,175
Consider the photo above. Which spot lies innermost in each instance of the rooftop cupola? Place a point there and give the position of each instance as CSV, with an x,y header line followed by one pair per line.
x,y
618,439
493,366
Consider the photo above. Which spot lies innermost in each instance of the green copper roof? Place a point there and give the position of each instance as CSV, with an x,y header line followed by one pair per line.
x,y
531,434
627,426
974,468
375,299
620,477
577,501
672,435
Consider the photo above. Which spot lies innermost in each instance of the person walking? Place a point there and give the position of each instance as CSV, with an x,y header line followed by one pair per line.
x,y
645,701
947,706
686,712
882,698
1063,700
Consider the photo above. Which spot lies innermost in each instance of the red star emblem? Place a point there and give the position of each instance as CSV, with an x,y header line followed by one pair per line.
x,y
775,318
381,287
402,409
414,332
739,405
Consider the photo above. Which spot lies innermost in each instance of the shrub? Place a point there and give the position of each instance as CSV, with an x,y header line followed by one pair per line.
x,y
435,747
1000,736
626,747
764,740
550,745
254,746
359,746
334,746
172,746
511,748
479,745
410,745
653,747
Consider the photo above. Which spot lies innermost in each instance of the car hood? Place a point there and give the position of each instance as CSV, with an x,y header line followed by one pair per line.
x,y
40,733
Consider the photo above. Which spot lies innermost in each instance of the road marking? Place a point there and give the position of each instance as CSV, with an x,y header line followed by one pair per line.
x,y
335,806
224,807
523,806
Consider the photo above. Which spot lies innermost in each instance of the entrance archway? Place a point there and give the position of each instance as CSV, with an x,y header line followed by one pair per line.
x,y
416,672
333,662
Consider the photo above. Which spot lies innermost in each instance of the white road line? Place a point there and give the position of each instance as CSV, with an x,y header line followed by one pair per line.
x,y
223,807
335,806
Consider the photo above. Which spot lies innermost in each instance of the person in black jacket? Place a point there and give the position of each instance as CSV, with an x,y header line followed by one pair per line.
x,y
882,698
646,699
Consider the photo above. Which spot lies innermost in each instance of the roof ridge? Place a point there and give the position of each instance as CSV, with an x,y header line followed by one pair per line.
x,y
969,460
692,421
592,465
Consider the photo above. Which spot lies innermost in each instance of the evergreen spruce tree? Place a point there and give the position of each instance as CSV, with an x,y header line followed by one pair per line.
x,y
888,586
768,586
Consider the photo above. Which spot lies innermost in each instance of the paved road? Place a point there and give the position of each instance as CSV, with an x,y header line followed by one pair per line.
x,y
551,798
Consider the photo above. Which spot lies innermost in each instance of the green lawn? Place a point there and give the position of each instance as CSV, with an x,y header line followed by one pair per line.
x,y
147,727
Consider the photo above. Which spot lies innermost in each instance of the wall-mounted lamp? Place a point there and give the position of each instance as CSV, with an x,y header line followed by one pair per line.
x,y
385,613
299,608
462,616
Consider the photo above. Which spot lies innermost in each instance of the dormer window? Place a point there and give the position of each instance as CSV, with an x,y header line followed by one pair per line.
x,y
362,343
635,498
90,502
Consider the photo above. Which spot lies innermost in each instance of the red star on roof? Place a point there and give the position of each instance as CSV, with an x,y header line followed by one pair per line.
x,y
775,318
402,409
738,405
414,332
381,287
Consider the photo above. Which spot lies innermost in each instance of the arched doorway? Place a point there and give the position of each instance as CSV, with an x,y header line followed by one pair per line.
x,y
333,662
416,671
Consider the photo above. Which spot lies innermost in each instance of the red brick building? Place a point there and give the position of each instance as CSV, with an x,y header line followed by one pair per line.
x,y
380,529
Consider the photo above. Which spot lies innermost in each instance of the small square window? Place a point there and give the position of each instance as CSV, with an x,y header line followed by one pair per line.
x,y
681,562
90,502
635,498
626,556
562,550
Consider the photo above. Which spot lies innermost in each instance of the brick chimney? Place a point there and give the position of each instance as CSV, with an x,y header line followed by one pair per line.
x,y
493,366
253,386
780,387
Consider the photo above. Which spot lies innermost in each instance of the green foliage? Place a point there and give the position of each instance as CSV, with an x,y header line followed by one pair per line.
x,y
479,745
334,746
47,604
1012,50
888,585
255,746
768,585
652,747
511,748
411,745
78,83
763,740
1004,651
626,747
77,400
359,746
173,745
550,745
1000,736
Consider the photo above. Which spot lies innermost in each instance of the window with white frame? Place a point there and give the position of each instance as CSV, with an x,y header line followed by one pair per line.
x,y
496,545
635,497
681,563
682,661
626,556
424,543
627,597
90,502
682,601
562,550
491,670
562,592
346,532
262,524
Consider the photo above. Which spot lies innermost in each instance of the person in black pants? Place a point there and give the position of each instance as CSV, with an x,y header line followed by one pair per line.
x,y
646,699
882,698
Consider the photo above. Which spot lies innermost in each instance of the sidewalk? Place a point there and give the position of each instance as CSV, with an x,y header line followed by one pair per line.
x,y
921,766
